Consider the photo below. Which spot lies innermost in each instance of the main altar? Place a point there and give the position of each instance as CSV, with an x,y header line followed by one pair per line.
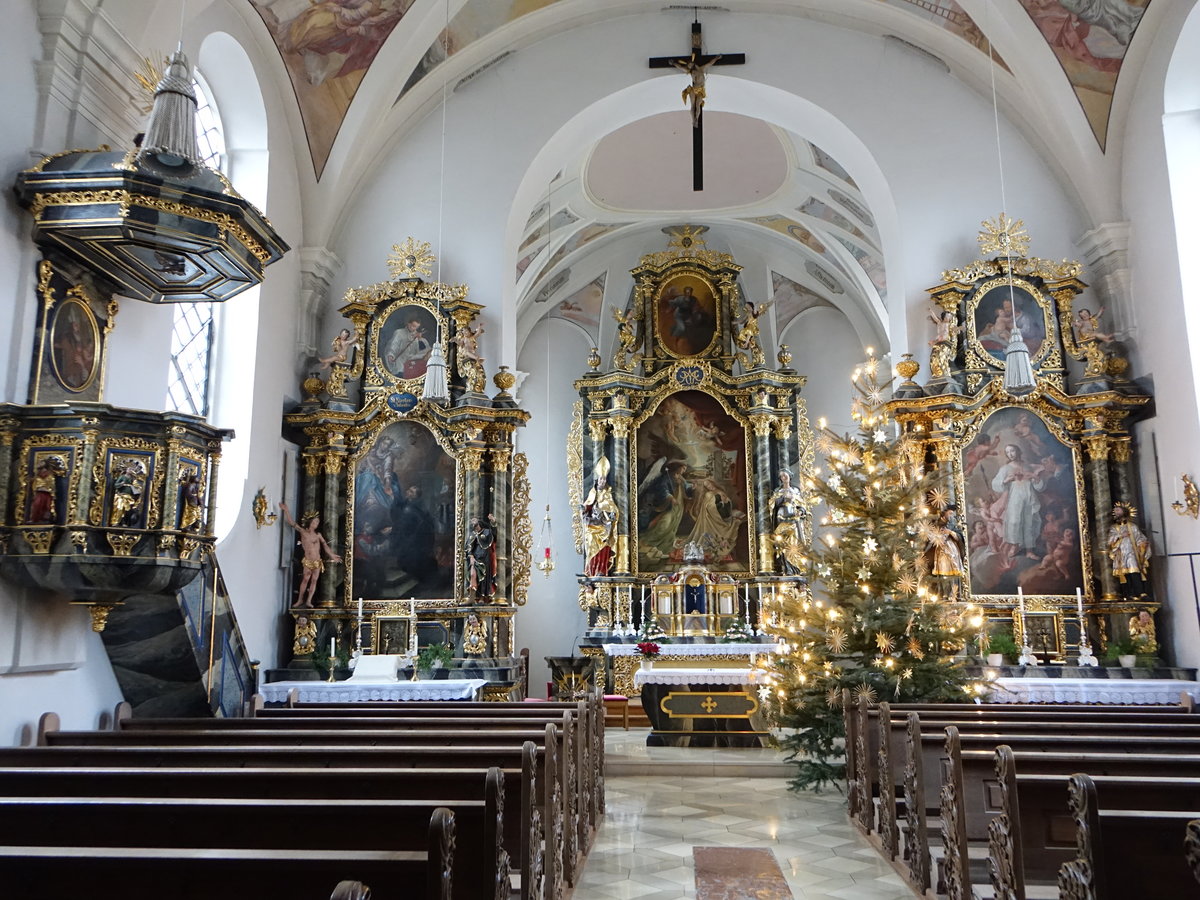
x,y
687,457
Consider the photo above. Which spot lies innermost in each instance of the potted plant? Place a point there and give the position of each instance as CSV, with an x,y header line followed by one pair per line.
x,y
647,650
433,656
1123,650
1002,647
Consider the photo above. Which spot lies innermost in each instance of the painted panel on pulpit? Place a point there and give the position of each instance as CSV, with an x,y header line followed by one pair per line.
x,y
1023,523
404,515
691,476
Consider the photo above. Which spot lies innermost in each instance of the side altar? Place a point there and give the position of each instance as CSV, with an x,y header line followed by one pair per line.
x,y
413,471
1026,415
687,458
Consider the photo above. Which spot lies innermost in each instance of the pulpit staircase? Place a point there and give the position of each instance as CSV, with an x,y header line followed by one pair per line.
x,y
181,654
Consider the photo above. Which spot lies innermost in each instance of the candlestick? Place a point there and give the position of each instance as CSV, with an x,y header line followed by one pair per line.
x,y
1027,658
332,647
360,607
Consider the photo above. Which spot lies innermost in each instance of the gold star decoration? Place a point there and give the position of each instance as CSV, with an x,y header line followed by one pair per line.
x,y
939,497
863,573
914,648
1005,236
907,583
146,76
833,698
412,259
835,639
884,642
865,692
687,237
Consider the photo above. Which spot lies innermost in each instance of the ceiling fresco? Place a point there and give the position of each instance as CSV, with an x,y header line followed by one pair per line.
x,y
1090,39
327,47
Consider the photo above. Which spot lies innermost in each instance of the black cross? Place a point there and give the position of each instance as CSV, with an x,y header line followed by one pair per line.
x,y
696,64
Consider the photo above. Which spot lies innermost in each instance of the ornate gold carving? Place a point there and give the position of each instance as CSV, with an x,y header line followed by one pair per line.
x,y
122,544
620,428
39,539
597,428
1004,236
471,458
411,259
1032,267
500,458
575,471
304,640
522,531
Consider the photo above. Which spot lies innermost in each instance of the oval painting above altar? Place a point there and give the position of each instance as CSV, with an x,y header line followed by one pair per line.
x,y
685,313
406,339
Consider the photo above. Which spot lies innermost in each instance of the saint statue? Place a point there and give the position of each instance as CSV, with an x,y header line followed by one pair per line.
x,y
946,546
189,499
944,344
127,489
1128,551
481,559
600,515
788,512
44,508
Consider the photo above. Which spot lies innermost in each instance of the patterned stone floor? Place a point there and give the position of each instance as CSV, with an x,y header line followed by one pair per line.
x,y
673,801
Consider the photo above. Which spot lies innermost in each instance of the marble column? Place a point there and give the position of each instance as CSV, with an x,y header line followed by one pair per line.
x,y
621,476
500,493
1097,470
763,486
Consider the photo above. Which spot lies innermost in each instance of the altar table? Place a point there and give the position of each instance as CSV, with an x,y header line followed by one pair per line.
x,y
1092,690
702,707
364,692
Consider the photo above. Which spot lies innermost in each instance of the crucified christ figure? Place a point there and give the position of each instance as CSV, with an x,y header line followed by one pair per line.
x,y
694,93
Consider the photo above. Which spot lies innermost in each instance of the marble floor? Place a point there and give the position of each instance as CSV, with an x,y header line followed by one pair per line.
x,y
663,801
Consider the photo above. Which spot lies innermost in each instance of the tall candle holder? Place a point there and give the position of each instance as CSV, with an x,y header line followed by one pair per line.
x,y
1027,657
1086,657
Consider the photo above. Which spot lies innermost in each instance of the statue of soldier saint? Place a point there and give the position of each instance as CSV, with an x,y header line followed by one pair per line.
x,y
312,544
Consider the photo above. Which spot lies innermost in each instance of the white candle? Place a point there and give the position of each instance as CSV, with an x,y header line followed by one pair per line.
x,y
332,647
1079,600
360,607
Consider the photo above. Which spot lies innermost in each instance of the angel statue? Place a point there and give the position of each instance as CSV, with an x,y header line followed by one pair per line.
x,y
944,343
470,363
341,346
746,336
600,515
627,334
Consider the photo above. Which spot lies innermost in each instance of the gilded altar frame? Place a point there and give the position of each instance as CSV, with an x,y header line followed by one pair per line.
x,y
1078,392
367,398
619,403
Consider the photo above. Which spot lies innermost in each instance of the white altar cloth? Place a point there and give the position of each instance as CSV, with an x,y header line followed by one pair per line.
x,y
350,692
693,676
668,649
1091,690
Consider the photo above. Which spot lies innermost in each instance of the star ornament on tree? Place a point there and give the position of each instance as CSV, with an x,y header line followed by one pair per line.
x,y
835,639
870,545
880,436
939,497
884,642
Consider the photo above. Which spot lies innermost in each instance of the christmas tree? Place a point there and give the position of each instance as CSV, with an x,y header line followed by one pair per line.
x,y
876,623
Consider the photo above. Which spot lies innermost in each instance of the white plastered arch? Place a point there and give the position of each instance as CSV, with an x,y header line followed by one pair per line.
x,y
778,107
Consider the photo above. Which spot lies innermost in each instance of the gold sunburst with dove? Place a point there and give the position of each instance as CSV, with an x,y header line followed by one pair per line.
x,y
412,259
1004,235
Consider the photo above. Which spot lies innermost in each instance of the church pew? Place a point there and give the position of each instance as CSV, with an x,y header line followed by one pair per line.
x,y
586,762
481,868
201,873
923,770
561,859
1126,853
1032,834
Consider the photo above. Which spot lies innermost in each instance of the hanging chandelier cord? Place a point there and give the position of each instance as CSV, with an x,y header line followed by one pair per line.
x,y
999,154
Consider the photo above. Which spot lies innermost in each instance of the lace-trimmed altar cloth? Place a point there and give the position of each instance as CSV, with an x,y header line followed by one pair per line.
x,y
350,692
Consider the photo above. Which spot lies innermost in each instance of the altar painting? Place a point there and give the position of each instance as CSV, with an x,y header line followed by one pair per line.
x,y
403,522
1023,524
691,476
1000,309
686,315
406,339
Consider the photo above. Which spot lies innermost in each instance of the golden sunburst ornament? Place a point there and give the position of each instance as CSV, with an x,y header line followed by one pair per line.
x,y
907,583
939,497
835,639
146,76
833,698
884,642
412,259
865,692
915,649
687,237
1005,236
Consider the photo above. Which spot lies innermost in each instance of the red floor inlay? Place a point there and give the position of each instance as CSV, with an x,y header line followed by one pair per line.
x,y
737,873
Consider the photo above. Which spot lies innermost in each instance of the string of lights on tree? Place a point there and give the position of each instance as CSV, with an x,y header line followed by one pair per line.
x,y
874,622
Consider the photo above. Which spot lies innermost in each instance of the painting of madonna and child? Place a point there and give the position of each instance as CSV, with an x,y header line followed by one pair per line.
x,y
1001,310
1022,514
403,517
691,476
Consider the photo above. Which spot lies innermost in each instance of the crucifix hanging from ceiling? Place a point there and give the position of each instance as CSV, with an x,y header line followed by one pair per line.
x,y
696,65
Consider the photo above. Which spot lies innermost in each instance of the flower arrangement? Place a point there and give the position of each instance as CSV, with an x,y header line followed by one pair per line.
x,y
648,649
